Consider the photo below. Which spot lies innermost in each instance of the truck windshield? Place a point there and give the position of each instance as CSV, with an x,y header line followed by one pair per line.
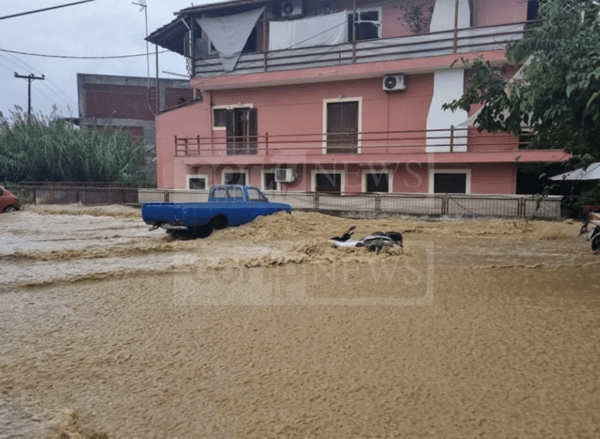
x,y
255,195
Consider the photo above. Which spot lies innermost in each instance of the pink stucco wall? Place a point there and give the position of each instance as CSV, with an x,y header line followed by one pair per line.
x,y
495,12
285,109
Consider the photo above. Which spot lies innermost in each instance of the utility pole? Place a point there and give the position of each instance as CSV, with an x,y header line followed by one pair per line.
x,y
29,78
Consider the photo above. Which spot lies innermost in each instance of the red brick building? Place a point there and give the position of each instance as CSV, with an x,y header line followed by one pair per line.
x,y
129,104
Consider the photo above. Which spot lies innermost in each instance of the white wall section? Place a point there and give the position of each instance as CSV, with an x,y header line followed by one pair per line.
x,y
444,12
447,86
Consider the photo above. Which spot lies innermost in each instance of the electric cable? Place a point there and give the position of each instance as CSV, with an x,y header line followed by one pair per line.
x,y
77,57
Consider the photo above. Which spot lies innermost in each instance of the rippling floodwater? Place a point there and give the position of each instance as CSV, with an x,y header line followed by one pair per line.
x,y
109,328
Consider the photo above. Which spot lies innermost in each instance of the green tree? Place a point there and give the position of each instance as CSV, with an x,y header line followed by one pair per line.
x,y
559,93
52,149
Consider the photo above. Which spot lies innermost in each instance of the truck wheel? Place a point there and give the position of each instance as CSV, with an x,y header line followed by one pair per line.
x,y
218,222
202,231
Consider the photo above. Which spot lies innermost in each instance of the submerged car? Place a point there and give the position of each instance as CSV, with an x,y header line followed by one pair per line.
x,y
8,202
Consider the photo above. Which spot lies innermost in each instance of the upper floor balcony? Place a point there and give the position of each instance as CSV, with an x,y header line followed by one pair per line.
x,y
246,37
456,41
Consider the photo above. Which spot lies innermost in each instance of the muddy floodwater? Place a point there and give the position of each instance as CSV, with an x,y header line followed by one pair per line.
x,y
476,328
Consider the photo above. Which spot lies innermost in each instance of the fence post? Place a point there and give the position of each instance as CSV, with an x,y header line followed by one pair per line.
x,y
521,207
455,43
175,146
451,138
34,196
377,203
267,143
316,200
198,140
166,196
445,204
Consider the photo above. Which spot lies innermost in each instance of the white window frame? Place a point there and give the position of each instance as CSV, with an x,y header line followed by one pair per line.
x,y
188,177
313,179
225,107
262,180
240,171
389,173
358,99
379,22
432,173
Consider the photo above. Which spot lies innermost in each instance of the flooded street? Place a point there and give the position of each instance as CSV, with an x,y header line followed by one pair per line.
x,y
487,328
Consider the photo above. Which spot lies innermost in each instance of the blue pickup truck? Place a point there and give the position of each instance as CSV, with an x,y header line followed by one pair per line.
x,y
228,205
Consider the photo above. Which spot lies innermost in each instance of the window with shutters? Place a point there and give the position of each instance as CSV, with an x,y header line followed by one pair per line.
x,y
342,126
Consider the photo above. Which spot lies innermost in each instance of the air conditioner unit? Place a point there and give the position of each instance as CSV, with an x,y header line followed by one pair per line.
x,y
285,175
291,9
394,83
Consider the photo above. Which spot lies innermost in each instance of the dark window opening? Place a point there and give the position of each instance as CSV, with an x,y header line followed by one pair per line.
x,y
363,25
342,127
378,182
451,183
220,117
234,178
532,10
269,182
328,182
197,183
250,45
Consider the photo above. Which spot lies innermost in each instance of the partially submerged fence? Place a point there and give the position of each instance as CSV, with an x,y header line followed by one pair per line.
x,y
63,194
507,206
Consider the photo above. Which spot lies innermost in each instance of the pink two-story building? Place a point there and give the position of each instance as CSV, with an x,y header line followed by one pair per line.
x,y
339,96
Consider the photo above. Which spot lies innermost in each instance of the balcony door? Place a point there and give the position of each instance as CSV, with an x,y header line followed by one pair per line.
x,y
342,127
241,126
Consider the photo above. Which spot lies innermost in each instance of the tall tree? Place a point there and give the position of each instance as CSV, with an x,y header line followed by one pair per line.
x,y
559,93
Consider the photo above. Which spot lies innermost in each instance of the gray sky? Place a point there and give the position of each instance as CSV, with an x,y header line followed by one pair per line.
x,y
98,28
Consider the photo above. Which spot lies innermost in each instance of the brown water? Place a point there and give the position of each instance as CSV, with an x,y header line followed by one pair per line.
x,y
476,328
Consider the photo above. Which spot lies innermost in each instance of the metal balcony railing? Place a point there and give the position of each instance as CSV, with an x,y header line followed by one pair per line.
x,y
456,41
351,143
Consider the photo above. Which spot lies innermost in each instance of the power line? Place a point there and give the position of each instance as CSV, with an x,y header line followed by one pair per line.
x,y
50,84
77,57
45,9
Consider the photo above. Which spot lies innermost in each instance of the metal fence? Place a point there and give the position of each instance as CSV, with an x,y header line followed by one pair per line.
x,y
64,194
503,206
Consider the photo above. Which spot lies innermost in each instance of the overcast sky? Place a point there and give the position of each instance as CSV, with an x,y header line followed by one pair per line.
x,y
98,28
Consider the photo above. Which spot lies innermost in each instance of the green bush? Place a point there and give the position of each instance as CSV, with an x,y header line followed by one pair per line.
x,y
42,148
